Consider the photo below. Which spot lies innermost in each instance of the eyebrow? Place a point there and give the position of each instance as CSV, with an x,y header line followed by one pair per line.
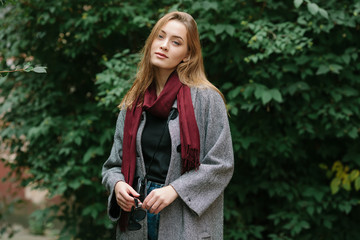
x,y
173,35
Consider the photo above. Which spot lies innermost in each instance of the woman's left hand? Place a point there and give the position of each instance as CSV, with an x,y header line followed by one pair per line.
x,y
159,198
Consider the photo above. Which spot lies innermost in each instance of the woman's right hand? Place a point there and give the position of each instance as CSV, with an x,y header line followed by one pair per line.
x,y
123,197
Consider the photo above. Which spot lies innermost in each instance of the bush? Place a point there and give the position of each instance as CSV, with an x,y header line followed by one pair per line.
x,y
289,71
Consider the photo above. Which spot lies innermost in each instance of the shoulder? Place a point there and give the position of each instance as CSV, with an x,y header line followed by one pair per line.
x,y
120,122
206,95
208,102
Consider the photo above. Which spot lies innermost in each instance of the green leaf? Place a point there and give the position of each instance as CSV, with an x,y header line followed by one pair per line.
x,y
227,85
335,185
78,140
276,95
92,152
39,69
29,69
259,89
313,8
75,184
324,13
234,111
219,28
335,68
4,74
230,30
266,97
297,3
310,210
357,184
248,91
353,133
235,92
346,58
323,69
346,184
327,224
354,174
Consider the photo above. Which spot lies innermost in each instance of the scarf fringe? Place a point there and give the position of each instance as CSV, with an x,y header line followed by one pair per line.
x,y
123,222
191,159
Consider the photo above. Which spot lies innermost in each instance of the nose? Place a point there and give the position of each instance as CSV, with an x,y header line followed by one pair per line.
x,y
164,46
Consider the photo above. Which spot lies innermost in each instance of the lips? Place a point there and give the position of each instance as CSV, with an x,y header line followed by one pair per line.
x,y
161,55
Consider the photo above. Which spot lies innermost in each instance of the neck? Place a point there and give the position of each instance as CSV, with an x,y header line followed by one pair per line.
x,y
161,76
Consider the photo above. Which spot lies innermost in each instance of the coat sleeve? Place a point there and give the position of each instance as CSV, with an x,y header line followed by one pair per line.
x,y
200,188
111,170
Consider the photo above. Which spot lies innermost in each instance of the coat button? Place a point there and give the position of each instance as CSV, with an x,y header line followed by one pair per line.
x,y
174,114
178,148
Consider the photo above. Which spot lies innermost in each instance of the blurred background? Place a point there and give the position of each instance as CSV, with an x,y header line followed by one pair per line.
x,y
290,72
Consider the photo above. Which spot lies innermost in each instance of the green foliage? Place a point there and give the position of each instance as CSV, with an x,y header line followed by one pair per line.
x,y
288,69
6,210
27,68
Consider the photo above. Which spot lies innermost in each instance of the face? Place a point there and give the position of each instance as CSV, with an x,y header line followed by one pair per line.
x,y
170,46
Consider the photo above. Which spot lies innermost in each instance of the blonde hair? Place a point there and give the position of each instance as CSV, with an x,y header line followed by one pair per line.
x,y
191,72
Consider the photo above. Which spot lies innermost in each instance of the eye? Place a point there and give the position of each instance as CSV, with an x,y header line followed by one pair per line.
x,y
160,36
176,43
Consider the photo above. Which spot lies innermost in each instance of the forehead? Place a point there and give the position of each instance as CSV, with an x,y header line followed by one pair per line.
x,y
174,28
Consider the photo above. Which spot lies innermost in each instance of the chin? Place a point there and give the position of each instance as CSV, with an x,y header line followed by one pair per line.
x,y
160,65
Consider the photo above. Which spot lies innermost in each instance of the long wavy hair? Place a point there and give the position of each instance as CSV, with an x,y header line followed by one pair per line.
x,y
191,72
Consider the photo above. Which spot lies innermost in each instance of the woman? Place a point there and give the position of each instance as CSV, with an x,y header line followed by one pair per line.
x,y
172,137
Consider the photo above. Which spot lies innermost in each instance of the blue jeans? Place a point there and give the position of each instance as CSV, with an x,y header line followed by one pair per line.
x,y
153,219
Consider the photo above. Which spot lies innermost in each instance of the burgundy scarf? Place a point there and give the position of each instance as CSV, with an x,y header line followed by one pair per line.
x,y
160,107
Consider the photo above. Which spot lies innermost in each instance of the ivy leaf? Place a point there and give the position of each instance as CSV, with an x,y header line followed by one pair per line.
x,y
313,8
297,3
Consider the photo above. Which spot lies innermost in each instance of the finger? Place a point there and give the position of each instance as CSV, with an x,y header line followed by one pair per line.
x,y
133,192
159,208
126,206
125,203
121,199
146,200
125,195
154,206
149,200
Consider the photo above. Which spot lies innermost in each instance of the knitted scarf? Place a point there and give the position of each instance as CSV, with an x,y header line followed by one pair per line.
x,y
160,106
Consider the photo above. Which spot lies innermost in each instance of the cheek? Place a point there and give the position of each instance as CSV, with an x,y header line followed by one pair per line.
x,y
181,54
152,46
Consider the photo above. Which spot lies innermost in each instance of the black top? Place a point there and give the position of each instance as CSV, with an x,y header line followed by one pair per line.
x,y
156,148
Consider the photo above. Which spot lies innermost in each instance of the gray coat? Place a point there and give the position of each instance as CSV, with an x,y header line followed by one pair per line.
x,y
198,211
